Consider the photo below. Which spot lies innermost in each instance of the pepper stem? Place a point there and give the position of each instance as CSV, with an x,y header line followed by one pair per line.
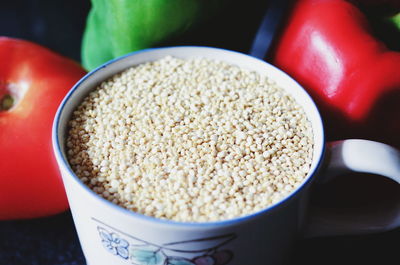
x,y
6,102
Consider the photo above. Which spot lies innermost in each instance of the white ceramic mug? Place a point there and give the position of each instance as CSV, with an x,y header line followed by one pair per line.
x,y
110,234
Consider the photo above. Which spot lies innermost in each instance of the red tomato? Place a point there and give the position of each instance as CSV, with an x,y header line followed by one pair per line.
x,y
37,80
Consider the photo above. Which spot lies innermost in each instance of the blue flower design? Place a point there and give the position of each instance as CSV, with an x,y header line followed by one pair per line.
x,y
199,251
113,243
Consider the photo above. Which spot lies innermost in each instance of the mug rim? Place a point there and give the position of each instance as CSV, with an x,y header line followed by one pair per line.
x,y
62,162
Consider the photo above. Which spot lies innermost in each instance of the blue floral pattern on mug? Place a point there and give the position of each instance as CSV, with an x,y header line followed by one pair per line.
x,y
113,243
188,252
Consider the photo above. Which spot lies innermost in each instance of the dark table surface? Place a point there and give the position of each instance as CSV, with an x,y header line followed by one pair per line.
x,y
53,240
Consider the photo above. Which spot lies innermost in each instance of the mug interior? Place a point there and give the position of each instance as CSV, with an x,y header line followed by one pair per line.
x,y
94,78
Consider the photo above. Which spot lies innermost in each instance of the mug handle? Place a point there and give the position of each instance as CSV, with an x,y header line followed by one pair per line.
x,y
361,156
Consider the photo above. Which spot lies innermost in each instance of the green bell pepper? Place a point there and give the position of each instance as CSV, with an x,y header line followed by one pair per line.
x,y
117,27
396,20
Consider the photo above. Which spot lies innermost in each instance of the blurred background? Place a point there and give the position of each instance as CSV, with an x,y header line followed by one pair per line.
x,y
59,26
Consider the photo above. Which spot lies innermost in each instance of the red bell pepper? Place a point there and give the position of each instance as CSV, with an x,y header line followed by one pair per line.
x,y
328,47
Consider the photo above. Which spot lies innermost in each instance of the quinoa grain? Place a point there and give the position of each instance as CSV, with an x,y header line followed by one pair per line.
x,y
190,140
